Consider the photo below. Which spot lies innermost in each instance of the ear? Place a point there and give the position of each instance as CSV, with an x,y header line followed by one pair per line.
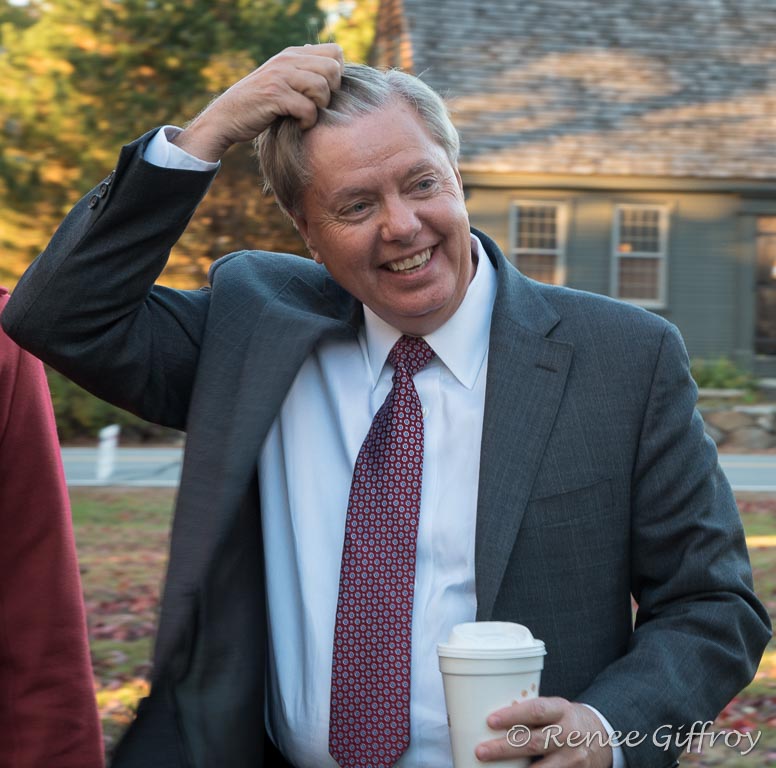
x,y
300,222
301,226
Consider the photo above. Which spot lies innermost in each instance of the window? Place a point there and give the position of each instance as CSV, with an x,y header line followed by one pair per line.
x,y
538,240
640,254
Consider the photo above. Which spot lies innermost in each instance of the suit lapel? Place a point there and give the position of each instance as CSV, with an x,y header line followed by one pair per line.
x,y
240,391
251,388
526,379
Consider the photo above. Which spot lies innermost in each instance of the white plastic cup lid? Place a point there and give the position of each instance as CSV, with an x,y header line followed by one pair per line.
x,y
491,640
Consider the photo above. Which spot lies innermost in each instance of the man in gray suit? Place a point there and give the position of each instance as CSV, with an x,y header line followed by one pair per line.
x,y
565,468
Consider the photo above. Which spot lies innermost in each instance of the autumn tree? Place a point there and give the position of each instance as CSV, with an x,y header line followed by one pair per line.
x,y
352,24
82,77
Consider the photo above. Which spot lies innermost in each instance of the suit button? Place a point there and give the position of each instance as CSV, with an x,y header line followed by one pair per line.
x,y
93,200
104,189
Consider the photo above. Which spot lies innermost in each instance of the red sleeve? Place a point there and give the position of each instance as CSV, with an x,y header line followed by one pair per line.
x,y
48,714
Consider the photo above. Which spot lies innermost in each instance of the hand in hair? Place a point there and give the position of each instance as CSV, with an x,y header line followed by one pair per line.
x,y
295,82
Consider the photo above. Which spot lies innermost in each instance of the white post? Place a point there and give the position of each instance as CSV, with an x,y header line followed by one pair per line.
x,y
106,452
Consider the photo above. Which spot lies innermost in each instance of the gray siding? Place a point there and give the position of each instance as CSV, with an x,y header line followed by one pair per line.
x,y
576,99
706,256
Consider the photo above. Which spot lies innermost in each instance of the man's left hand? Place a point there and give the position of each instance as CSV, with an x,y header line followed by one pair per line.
x,y
564,734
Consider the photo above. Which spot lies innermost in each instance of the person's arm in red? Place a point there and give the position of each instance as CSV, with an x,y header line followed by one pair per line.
x,y
48,713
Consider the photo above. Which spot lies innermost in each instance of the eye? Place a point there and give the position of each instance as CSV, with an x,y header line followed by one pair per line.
x,y
425,184
355,210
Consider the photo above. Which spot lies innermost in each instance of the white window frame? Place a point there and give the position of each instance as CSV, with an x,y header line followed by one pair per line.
x,y
561,217
661,302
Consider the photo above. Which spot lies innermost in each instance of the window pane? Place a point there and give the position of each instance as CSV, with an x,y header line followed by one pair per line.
x,y
639,230
538,266
537,226
639,278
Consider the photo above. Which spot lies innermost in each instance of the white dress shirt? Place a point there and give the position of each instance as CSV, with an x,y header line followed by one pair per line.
x,y
305,470
306,467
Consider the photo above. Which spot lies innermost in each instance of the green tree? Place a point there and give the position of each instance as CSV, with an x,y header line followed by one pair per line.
x,y
82,77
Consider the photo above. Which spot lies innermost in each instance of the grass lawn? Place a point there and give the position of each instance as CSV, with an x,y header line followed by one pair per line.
x,y
122,537
122,544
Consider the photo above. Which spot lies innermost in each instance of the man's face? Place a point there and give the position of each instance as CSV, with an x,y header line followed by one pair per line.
x,y
385,213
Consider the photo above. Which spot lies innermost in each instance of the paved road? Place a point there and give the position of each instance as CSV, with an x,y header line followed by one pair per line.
x,y
161,467
753,472
148,467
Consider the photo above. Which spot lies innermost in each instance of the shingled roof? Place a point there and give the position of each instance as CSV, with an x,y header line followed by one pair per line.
x,y
679,88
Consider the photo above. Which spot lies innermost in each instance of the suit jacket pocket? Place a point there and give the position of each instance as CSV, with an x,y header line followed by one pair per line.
x,y
568,580
577,536
569,575
586,504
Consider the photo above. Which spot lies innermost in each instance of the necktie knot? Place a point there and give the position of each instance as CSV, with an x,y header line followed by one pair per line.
x,y
411,353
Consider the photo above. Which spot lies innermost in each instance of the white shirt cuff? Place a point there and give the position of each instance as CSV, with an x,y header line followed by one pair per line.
x,y
160,152
618,758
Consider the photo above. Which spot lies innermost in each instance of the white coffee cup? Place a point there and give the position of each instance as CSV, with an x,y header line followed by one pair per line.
x,y
486,665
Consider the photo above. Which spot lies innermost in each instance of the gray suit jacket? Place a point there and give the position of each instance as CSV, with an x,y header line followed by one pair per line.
x,y
596,483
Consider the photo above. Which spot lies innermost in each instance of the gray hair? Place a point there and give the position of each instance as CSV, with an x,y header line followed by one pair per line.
x,y
364,90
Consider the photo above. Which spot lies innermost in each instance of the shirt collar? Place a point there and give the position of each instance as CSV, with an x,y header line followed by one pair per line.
x,y
461,343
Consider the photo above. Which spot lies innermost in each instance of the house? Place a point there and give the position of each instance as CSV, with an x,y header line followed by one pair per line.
x,y
621,147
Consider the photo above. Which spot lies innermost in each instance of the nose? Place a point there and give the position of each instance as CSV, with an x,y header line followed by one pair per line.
x,y
400,221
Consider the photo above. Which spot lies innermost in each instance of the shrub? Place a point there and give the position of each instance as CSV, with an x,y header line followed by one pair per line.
x,y
722,373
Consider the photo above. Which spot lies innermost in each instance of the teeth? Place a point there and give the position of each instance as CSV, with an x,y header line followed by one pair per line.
x,y
413,261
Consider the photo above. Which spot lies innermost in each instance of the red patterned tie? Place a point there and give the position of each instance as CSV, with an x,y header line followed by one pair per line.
x,y
369,725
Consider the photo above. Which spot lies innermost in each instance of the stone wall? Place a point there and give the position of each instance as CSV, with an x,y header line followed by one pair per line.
x,y
741,427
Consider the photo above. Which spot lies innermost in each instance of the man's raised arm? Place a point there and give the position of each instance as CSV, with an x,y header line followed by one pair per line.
x,y
88,305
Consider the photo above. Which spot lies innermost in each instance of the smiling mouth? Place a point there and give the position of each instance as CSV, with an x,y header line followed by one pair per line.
x,y
412,263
